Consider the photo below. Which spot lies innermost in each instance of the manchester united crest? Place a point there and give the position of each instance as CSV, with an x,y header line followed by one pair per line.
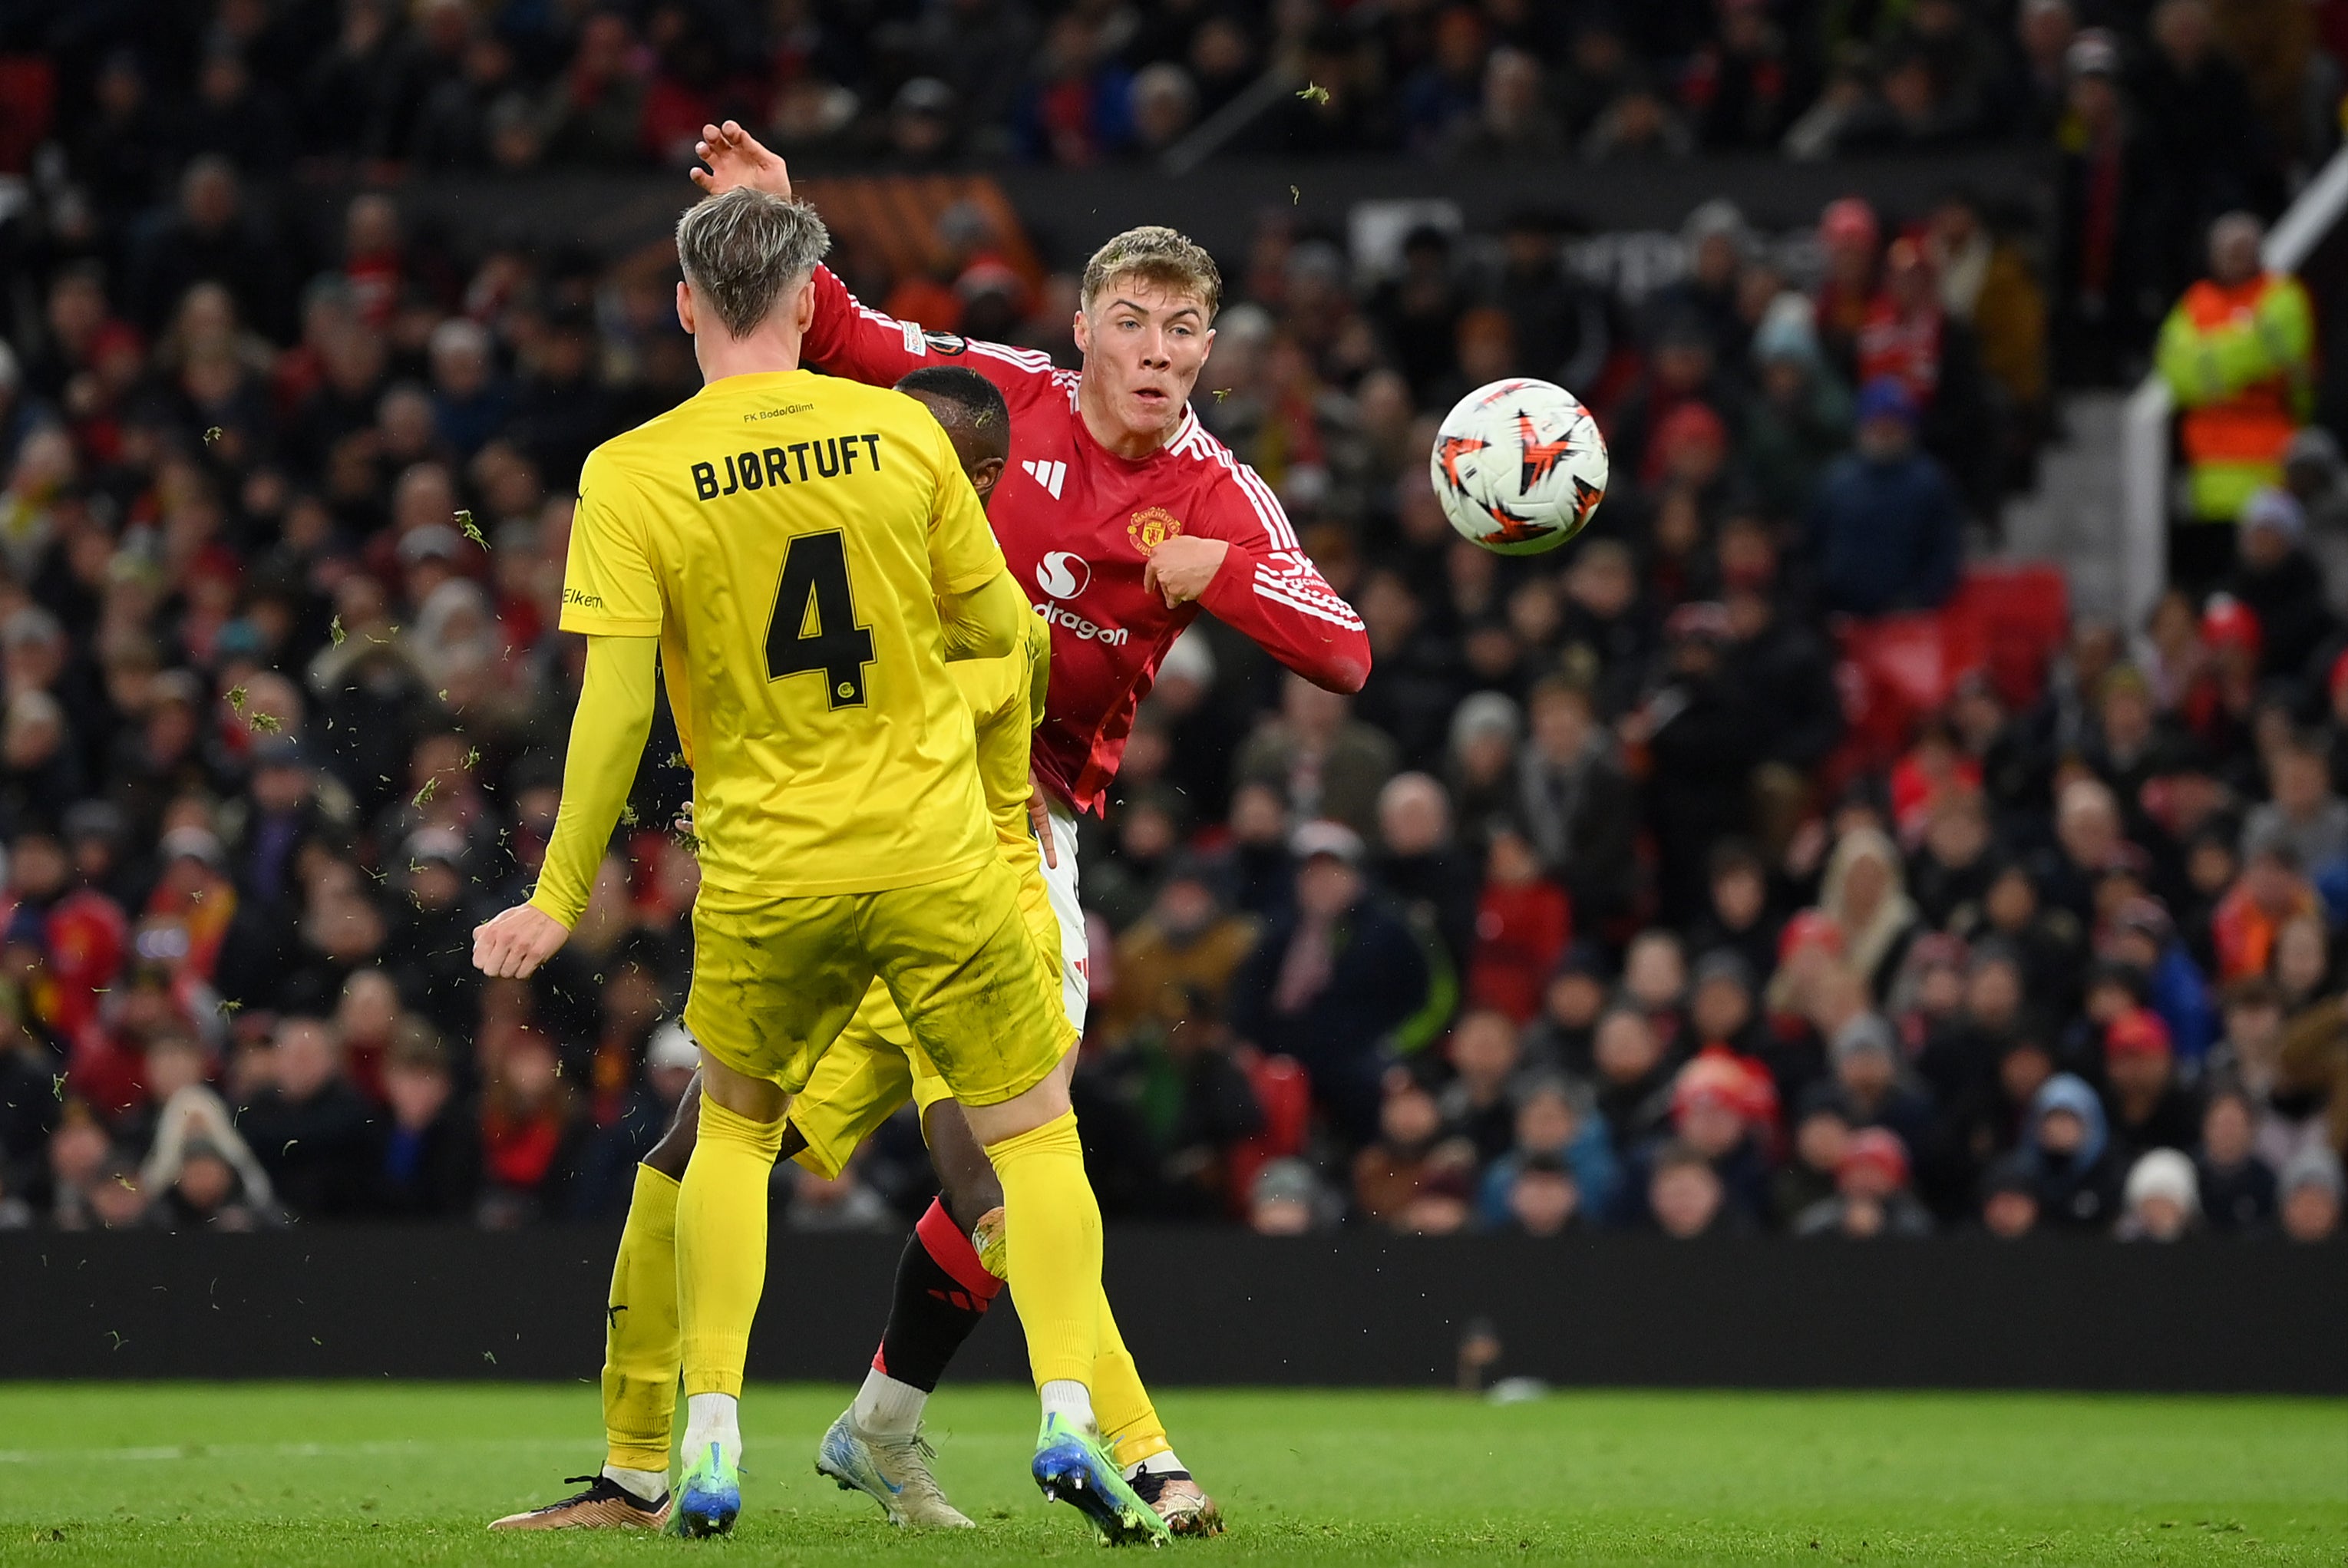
x,y
1151,527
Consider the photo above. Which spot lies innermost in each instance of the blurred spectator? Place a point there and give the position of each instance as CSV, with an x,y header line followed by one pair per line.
x,y
1512,120
1738,919
2163,1203
1871,1197
1986,283
2311,1188
1554,1122
1337,982
213,237
1409,1153
309,1128
2237,353
2067,1155
1886,528
428,1163
1686,1195
1523,925
2275,578
2214,153
1424,865
1576,804
1288,1200
1186,941
1703,743
2237,1189
531,1135
1718,1114
2146,1107
1194,1104
2113,261
2009,1206
1802,420
1326,763
1543,1198
1740,87
1478,1103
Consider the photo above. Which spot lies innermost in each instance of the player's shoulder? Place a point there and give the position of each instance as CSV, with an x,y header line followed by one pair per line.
x,y
638,447
1024,376
1237,500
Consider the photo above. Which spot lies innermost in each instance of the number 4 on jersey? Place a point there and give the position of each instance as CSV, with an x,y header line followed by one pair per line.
x,y
814,625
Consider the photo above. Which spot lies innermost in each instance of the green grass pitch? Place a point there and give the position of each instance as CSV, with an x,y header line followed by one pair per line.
x,y
138,1476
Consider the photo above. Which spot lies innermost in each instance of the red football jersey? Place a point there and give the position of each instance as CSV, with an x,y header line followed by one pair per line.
x,y
1077,522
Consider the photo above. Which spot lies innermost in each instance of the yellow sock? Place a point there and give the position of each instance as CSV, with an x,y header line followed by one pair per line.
x,y
1128,1421
1051,1232
721,1245
640,1333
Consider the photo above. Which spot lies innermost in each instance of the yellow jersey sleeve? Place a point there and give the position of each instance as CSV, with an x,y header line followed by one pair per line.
x,y
963,551
610,587
1007,701
607,742
1037,653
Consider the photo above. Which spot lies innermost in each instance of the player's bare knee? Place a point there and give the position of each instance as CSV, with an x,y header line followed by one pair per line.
x,y
1047,1103
753,1098
966,1178
670,1155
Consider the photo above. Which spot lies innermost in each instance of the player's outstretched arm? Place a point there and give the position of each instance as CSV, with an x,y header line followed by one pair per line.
x,y
607,743
1245,568
735,158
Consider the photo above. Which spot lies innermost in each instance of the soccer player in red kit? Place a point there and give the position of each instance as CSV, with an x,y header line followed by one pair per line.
x,y
1122,518
1121,515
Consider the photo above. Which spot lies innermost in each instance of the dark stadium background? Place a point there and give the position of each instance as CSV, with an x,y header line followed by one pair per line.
x,y
1747,869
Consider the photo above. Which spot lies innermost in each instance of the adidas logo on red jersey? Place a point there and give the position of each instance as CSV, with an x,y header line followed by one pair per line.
x,y
1050,475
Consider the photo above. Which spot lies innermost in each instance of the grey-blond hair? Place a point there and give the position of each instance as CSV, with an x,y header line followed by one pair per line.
x,y
745,250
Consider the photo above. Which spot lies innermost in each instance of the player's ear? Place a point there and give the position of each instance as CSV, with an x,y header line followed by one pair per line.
x,y
685,306
803,307
1206,345
1084,330
984,474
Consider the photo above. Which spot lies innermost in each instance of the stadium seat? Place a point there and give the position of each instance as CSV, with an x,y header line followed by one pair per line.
x,y
2007,622
2020,614
1284,1091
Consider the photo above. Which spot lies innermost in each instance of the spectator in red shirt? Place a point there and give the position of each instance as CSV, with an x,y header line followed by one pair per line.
x,y
1523,923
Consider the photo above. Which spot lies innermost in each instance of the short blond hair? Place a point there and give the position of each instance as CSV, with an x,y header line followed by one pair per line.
x,y
1157,255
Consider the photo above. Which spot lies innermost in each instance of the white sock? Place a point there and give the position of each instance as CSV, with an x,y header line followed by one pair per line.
x,y
644,1486
1067,1398
887,1408
712,1418
1157,1464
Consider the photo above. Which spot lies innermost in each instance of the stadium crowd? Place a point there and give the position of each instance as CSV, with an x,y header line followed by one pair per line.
x,y
1589,912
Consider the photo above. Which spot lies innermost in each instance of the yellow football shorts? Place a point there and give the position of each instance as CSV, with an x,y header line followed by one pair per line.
x,y
876,1066
777,982
871,1069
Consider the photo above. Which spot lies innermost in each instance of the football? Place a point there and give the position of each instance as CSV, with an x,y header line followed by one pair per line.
x,y
1518,466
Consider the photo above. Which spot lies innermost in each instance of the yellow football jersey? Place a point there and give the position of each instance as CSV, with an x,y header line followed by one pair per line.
x,y
787,536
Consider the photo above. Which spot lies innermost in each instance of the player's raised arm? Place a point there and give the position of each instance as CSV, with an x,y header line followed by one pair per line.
x,y
847,338
735,158
1246,569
